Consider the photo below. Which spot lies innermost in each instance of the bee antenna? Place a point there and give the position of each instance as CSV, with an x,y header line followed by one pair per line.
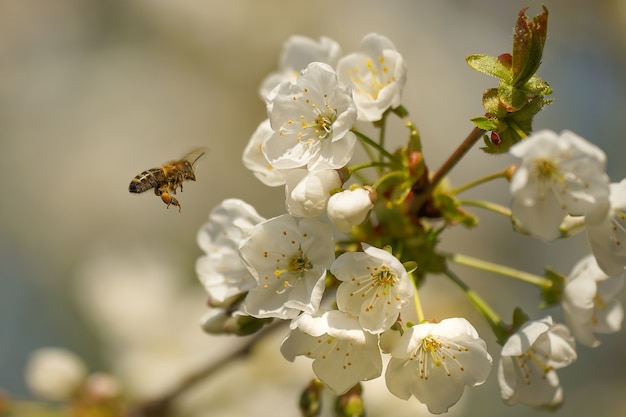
x,y
198,157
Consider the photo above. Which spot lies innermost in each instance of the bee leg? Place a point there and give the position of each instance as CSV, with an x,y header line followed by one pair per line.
x,y
169,200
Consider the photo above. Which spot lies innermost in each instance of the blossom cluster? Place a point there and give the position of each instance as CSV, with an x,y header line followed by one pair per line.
x,y
343,266
344,263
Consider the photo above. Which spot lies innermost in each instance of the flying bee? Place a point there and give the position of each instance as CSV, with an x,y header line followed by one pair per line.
x,y
168,177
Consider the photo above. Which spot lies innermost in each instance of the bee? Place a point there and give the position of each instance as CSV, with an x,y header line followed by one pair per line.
x,y
168,177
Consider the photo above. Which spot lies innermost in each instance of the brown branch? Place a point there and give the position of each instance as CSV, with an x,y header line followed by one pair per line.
x,y
423,191
161,406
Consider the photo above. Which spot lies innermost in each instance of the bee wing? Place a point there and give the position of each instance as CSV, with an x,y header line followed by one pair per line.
x,y
195,154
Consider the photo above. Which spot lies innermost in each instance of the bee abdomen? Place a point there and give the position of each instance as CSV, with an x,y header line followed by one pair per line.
x,y
146,180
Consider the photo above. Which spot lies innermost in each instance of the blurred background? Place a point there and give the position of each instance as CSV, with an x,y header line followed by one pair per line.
x,y
93,92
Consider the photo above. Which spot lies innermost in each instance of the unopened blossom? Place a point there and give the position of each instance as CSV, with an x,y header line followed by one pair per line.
x,y
255,160
311,119
435,361
589,302
55,374
288,258
374,287
559,174
529,360
307,192
298,52
606,231
376,75
221,270
350,208
343,353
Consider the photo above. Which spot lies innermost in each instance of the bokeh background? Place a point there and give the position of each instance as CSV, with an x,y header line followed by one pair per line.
x,y
93,92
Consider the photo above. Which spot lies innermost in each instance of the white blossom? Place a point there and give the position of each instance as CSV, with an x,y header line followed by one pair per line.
x,y
589,303
528,363
307,192
375,286
559,175
606,231
376,74
221,270
435,361
311,119
255,160
343,353
297,53
55,373
350,208
288,259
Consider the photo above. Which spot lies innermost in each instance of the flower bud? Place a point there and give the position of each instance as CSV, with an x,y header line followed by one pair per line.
x,y
350,404
101,387
220,321
307,192
350,207
55,374
311,399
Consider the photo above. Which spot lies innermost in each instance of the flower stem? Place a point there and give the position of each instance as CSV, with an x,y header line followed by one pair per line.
x,y
388,176
418,303
500,269
382,124
479,181
487,205
364,138
490,315
369,164
513,125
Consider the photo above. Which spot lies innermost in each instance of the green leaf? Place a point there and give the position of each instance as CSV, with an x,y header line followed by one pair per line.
x,y
489,65
513,99
529,38
483,123
492,104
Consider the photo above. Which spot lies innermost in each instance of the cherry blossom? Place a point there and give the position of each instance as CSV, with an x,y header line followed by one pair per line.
x,y
589,303
288,259
311,119
435,361
528,363
343,353
559,174
376,74
374,287
221,270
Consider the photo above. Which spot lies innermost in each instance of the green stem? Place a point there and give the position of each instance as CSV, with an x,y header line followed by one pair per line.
x,y
490,315
487,205
479,181
388,176
382,136
369,164
418,303
513,125
364,138
501,270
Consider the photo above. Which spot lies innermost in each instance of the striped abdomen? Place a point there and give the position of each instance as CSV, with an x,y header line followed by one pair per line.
x,y
148,179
